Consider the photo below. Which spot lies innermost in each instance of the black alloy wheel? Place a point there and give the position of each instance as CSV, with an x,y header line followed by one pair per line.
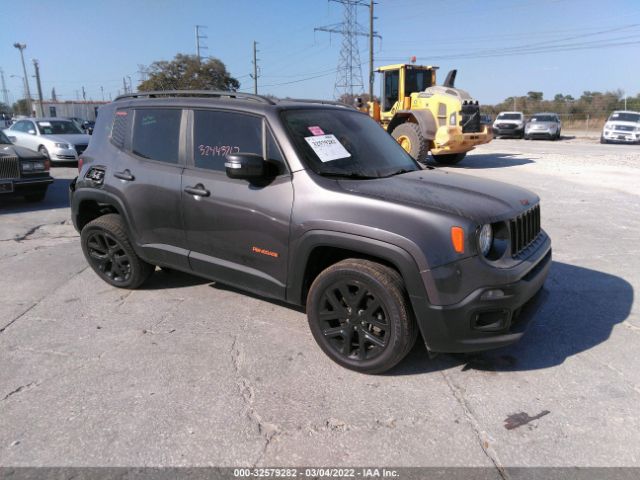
x,y
109,257
360,316
353,321
107,248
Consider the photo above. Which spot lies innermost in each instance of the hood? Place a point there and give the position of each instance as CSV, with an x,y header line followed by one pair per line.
x,y
20,152
74,138
477,199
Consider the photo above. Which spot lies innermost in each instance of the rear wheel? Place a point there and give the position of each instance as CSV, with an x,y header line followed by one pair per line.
x,y
449,158
360,317
410,137
107,248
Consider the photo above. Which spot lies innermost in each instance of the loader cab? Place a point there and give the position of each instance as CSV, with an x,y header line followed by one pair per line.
x,y
400,81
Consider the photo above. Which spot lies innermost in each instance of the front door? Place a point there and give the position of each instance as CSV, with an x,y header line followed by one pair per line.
x,y
237,230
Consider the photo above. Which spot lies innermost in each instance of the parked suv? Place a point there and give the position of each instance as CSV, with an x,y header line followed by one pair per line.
x,y
622,127
23,173
543,125
509,124
313,204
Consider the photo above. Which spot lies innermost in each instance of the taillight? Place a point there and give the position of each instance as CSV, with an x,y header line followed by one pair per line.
x,y
80,162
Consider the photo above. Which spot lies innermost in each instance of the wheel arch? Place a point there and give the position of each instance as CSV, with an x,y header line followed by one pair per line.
x,y
87,206
423,118
318,250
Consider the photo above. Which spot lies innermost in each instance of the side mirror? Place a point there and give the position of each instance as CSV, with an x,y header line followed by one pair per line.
x,y
31,132
245,165
12,139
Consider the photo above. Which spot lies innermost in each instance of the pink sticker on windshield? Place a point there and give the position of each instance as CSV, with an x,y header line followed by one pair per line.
x,y
316,130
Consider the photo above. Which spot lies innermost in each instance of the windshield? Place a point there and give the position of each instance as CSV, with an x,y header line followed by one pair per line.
x,y
509,116
3,138
625,117
346,143
57,127
543,118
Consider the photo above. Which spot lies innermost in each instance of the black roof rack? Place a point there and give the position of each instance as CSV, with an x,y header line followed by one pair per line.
x,y
323,102
197,93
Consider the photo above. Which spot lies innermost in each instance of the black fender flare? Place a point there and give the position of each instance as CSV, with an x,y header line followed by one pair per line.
x,y
424,119
100,196
396,256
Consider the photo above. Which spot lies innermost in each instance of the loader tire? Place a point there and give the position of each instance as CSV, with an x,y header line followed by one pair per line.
x,y
449,158
410,137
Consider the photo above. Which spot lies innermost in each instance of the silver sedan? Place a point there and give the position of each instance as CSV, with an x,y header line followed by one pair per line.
x,y
56,138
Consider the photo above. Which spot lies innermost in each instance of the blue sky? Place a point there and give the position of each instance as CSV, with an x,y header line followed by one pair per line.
x,y
501,48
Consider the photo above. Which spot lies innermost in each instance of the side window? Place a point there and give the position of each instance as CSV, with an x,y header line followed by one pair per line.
x,y
156,134
216,134
120,127
391,91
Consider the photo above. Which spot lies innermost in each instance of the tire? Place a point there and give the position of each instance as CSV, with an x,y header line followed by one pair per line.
x,y
449,158
602,140
527,137
410,137
108,251
35,196
42,150
360,316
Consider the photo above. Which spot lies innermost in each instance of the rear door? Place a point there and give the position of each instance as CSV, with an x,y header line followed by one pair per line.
x,y
146,177
238,231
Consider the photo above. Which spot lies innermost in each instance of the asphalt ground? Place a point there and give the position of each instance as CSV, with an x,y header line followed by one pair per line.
x,y
185,372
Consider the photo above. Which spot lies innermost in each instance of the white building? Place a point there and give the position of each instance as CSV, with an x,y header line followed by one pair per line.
x,y
87,110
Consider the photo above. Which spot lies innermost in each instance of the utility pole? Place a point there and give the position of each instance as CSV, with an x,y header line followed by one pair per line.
x,y
84,94
102,92
54,97
124,85
5,92
255,68
349,71
36,66
199,37
371,51
21,47
130,84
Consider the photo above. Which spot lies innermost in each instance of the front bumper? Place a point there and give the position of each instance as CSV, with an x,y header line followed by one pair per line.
x,y
452,140
24,186
479,322
621,137
63,155
508,132
541,133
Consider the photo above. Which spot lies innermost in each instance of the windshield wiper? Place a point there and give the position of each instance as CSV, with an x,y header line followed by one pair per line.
x,y
347,175
398,172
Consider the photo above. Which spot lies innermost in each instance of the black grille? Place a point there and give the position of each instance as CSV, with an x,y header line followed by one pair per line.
x,y
524,230
623,128
470,118
80,149
9,167
507,125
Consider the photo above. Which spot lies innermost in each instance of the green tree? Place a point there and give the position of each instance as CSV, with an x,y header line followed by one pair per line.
x,y
534,96
4,108
186,72
21,107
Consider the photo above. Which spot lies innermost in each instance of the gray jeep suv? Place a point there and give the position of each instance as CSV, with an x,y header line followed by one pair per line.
x,y
311,203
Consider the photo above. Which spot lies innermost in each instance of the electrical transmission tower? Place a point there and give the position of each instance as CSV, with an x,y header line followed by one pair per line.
x,y
349,73
199,41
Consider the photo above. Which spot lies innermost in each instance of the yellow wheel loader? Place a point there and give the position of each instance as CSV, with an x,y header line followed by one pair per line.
x,y
425,117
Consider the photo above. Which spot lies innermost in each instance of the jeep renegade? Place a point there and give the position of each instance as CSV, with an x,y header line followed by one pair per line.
x,y
312,203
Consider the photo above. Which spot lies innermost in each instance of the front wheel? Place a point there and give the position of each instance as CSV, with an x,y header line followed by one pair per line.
x,y
449,158
410,137
602,140
43,151
107,248
360,317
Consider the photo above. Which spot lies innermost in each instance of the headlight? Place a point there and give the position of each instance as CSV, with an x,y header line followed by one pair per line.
x,y
27,167
65,146
485,239
38,165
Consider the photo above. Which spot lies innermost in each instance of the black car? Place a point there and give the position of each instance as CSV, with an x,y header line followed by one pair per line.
x,y
23,172
310,203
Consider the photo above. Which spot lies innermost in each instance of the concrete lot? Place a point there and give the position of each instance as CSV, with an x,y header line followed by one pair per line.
x,y
186,372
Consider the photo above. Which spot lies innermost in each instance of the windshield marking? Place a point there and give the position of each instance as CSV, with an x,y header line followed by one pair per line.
x,y
327,147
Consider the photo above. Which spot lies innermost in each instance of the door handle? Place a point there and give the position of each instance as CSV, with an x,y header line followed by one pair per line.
x,y
124,175
198,190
